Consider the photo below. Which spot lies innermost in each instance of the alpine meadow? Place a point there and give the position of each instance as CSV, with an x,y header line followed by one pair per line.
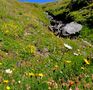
x,y
46,46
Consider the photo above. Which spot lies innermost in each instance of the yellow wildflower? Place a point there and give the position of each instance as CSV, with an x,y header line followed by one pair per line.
x,y
55,67
78,50
7,31
82,68
67,61
41,75
31,74
13,69
86,61
8,88
31,49
0,63
6,81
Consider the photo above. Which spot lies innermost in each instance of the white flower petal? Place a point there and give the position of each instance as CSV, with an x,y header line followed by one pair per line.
x,y
67,46
8,71
76,54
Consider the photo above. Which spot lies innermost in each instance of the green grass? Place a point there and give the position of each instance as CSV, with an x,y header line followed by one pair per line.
x,y
79,11
38,59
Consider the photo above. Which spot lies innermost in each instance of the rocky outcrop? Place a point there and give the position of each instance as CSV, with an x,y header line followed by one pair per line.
x,y
63,29
71,29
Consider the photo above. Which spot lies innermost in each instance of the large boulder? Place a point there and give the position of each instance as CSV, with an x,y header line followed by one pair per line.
x,y
71,29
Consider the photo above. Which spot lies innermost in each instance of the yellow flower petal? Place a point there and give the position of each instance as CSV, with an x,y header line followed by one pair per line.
x,y
67,61
86,61
6,81
31,49
0,63
31,74
7,31
56,66
40,75
82,68
8,88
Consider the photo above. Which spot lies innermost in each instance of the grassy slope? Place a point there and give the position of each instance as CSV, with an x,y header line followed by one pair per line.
x,y
37,58
56,7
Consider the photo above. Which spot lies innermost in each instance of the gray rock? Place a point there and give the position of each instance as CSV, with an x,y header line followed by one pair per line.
x,y
62,29
71,29
49,16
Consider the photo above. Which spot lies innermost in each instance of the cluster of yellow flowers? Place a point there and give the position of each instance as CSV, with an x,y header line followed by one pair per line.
x,y
85,61
7,86
35,75
31,49
10,28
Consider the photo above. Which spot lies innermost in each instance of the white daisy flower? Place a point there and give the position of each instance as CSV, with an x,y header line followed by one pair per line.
x,y
8,71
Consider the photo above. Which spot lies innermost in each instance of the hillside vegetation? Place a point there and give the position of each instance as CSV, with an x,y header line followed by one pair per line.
x,y
33,58
78,10
74,10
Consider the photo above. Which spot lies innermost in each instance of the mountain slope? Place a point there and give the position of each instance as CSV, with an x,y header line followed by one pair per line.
x,y
33,58
78,10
